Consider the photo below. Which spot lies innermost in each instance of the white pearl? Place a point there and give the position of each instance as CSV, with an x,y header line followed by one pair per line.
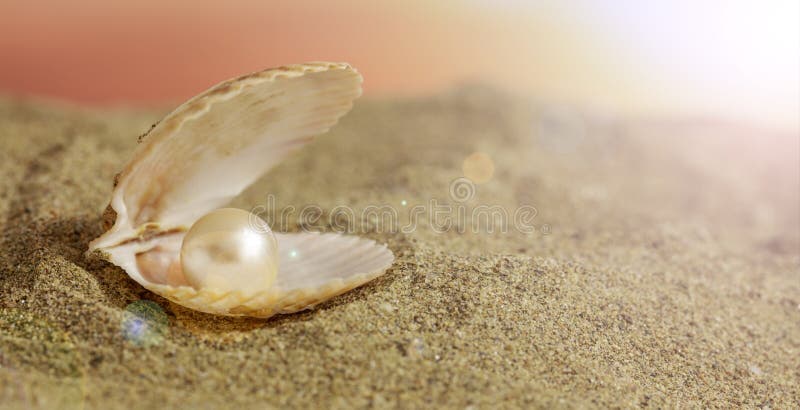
x,y
230,250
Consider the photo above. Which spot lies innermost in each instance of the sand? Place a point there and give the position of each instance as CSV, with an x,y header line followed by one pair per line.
x,y
663,269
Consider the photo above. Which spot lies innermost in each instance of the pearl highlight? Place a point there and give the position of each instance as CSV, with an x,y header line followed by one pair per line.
x,y
230,250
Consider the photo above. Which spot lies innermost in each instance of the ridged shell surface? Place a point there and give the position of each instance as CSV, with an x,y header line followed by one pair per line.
x,y
204,154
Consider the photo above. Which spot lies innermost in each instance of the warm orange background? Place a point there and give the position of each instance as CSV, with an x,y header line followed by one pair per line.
x,y
738,59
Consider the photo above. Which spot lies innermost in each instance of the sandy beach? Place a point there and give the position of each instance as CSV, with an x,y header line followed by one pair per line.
x,y
661,267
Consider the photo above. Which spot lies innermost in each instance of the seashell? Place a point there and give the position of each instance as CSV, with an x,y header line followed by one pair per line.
x,y
168,233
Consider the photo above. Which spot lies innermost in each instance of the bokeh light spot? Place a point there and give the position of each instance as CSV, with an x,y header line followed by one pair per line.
x,y
478,167
144,323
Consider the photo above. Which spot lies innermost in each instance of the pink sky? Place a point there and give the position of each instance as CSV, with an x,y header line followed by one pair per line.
x,y
737,59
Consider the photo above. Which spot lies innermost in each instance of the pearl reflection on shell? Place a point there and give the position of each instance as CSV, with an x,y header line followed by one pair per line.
x,y
230,250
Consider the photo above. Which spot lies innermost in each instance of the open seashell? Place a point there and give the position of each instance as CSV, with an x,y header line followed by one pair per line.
x,y
201,156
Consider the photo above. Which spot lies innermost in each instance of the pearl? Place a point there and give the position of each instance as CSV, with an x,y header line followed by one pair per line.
x,y
230,250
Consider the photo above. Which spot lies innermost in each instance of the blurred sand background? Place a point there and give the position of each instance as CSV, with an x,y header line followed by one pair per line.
x,y
659,145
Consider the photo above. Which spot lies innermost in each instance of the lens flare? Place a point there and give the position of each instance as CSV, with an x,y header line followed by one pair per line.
x,y
144,324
